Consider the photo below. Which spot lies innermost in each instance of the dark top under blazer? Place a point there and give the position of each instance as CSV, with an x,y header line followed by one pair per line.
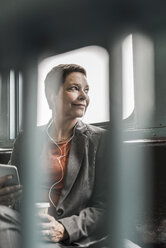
x,y
81,206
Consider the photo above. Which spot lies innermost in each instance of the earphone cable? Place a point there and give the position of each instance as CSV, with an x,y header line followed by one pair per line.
x,y
59,159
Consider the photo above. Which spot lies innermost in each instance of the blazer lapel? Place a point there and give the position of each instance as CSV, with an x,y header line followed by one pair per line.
x,y
74,164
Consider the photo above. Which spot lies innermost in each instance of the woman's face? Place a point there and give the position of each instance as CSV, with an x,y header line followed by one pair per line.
x,y
72,99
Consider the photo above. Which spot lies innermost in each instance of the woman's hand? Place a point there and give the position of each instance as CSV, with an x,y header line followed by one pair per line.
x,y
51,229
9,194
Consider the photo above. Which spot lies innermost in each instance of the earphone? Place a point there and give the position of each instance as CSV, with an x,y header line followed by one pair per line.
x,y
58,158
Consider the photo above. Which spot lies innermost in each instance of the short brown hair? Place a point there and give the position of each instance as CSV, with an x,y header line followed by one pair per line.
x,y
56,77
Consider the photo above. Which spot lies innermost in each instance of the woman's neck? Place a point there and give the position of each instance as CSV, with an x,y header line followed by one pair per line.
x,y
62,130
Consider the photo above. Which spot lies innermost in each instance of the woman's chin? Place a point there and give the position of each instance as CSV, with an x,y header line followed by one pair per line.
x,y
80,114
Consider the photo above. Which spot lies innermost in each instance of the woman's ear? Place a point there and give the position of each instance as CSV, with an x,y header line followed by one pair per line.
x,y
52,100
50,96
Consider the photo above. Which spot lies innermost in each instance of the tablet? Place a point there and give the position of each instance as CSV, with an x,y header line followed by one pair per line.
x,y
6,169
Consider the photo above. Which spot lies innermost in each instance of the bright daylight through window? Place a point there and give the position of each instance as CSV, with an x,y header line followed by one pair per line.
x,y
127,77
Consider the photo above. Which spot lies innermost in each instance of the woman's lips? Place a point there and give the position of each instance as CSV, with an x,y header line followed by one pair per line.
x,y
80,105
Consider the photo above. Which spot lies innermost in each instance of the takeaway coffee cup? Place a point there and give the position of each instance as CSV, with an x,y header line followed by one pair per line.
x,y
42,207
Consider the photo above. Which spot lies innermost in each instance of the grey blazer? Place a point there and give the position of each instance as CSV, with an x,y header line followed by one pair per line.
x,y
82,203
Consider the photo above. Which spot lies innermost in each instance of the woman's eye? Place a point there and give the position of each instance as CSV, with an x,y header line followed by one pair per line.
x,y
86,91
74,88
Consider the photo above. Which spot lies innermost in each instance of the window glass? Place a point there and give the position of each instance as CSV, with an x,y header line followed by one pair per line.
x,y
20,100
127,77
12,104
96,62
144,81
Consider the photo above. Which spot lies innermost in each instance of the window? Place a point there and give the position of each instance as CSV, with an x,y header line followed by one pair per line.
x,y
138,81
10,106
127,77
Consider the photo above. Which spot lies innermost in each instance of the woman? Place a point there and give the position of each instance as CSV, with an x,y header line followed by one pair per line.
x,y
71,156
73,159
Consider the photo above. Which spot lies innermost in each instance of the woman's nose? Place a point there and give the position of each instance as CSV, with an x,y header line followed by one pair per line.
x,y
82,95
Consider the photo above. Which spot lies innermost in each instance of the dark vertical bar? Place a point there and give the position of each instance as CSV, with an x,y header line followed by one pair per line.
x,y
129,164
116,145
4,113
29,157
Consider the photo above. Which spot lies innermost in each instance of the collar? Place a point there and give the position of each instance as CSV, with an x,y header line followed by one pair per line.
x,y
80,127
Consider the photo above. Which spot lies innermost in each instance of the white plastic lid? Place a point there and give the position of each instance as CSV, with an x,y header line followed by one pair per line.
x,y
43,204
